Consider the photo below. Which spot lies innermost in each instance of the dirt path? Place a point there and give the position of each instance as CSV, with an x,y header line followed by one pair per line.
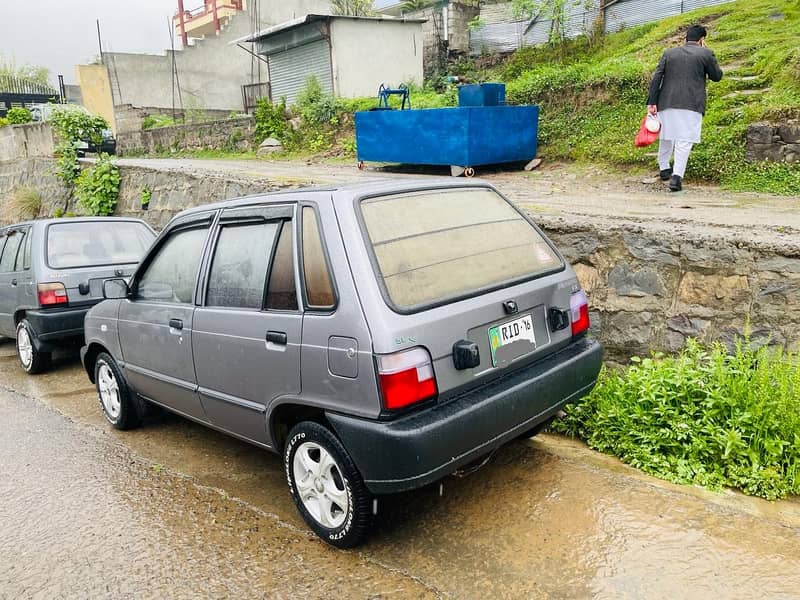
x,y
174,509
557,190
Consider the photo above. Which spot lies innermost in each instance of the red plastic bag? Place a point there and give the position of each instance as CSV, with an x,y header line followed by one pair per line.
x,y
645,137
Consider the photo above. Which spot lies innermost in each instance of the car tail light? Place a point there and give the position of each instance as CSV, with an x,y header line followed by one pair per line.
x,y
579,307
51,293
406,378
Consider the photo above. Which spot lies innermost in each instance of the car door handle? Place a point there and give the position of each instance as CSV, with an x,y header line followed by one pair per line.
x,y
176,324
277,337
14,282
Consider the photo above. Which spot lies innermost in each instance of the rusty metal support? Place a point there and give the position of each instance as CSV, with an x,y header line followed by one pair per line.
x,y
216,16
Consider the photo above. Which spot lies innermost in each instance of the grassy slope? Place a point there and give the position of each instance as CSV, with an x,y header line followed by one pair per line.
x,y
593,96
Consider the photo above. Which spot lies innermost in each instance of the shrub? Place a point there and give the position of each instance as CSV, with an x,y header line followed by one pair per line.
x,y
67,168
19,116
703,417
3,122
72,126
58,213
97,187
271,121
317,107
22,204
145,198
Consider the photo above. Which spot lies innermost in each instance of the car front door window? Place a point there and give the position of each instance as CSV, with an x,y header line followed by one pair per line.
x,y
171,275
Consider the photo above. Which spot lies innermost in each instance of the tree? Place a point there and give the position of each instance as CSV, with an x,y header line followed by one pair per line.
x,y
9,68
556,11
412,5
353,8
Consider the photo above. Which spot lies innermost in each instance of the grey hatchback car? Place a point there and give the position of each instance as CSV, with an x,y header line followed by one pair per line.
x,y
380,336
52,272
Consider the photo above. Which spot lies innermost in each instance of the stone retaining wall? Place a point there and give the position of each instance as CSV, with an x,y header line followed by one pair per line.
x,y
773,142
26,141
229,134
650,285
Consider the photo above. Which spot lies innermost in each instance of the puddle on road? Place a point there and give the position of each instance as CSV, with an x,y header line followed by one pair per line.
x,y
532,523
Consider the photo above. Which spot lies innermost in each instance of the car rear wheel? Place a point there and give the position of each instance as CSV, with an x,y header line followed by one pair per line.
x,y
116,399
30,358
326,486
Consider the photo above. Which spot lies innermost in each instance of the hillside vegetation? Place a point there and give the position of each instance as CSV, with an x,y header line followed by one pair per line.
x,y
593,95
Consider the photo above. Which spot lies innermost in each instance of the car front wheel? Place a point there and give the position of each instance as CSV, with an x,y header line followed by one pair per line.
x,y
30,358
326,486
116,399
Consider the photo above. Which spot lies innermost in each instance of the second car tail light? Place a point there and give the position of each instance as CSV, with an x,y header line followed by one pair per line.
x,y
51,294
406,378
579,310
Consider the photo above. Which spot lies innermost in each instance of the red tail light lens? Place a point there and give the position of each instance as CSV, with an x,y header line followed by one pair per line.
x,y
51,294
579,308
406,378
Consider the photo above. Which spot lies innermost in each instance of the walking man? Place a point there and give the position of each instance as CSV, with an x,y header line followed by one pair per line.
x,y
678,96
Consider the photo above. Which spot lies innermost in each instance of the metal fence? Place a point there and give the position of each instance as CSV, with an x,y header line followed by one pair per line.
x,y
18,92
502,33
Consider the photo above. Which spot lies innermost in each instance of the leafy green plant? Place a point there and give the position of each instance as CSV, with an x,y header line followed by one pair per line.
x,y
353,8
155,121
145,198
271,120
67,168
97,187
703,417
316,106
58,213
23,203
72,126
414,5
476,23
3,122
19,115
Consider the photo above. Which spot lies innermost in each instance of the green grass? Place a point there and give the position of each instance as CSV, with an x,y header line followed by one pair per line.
x,y
592,96
703,417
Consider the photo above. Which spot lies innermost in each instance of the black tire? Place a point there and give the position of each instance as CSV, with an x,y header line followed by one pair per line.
x,y
30,359
124,413
356,518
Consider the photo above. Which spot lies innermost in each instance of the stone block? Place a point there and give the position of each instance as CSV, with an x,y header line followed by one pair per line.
x,y
790,133
712,291
764,152
589,277
652,250
760,133
628,281
779,264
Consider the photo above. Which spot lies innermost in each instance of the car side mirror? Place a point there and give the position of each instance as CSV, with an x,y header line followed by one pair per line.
x,y
115,289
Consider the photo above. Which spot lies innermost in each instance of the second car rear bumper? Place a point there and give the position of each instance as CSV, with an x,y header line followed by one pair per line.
x,y
52,325
422,447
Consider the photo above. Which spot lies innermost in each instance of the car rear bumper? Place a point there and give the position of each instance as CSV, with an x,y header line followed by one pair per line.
x,y
425,446
52,325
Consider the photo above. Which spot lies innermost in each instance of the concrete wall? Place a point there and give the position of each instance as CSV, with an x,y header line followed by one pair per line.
x,y
26,141
95,88
369,53
458,14
273,12
773,142
233,134
130,118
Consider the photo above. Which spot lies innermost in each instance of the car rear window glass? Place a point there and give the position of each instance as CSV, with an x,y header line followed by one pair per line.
x,y
319,287
89,244
9,255
282,294
435,246
172,274
239,269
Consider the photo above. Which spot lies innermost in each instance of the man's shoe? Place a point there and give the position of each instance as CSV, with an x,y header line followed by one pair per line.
x,y
665,174
676,183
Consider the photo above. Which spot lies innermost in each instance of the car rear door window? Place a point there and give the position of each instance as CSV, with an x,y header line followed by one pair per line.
x,y
239,268
435,246
282,290
8,258
316,273
172,274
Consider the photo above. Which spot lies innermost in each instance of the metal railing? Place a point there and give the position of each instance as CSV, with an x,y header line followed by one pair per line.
x,y
18,85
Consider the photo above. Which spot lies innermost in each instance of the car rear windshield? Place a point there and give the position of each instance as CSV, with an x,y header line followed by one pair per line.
x,y
435,246
88,244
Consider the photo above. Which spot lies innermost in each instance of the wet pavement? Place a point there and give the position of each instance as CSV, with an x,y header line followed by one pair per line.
x,y
176,510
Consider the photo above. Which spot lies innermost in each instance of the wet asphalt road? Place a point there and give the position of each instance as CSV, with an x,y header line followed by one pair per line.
x,y
175,510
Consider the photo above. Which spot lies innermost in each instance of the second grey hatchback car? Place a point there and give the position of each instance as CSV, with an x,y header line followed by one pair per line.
x,y
52,272
380,336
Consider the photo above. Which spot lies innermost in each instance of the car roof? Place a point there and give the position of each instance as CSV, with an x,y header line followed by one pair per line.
x,y
44,222
345,192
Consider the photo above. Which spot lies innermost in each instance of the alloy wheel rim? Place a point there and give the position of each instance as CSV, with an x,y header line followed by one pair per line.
x,y
24,347
320,485
109,391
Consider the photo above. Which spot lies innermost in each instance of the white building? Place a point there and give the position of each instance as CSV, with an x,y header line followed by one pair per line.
x,y
350,56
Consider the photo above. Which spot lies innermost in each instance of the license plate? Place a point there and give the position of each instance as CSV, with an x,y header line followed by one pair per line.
x,y
512,340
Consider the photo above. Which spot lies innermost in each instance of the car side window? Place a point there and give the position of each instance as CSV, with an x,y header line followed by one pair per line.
x,y
239,267
10,250
19,265
282,291
172,274
316,274
26,251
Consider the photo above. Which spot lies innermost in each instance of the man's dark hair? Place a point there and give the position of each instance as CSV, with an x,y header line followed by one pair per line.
x,y
696,33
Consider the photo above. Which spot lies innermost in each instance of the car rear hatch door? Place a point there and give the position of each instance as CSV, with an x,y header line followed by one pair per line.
x,y
83,254
467,276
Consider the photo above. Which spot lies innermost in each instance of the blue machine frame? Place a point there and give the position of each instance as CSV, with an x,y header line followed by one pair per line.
x,y
463,137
